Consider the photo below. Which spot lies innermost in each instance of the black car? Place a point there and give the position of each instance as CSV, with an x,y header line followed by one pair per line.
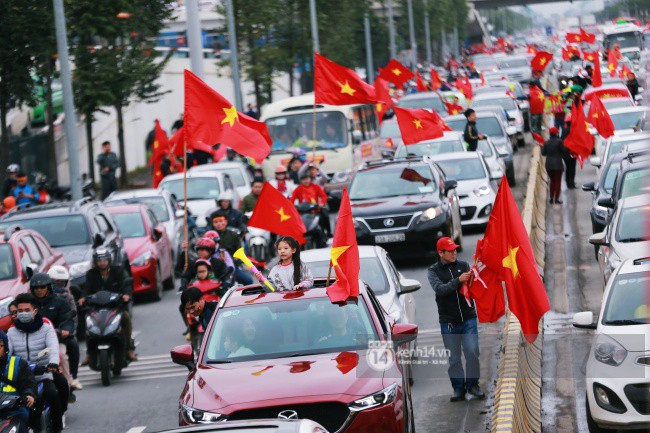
x,y
632,179
76,229
602,189
404,201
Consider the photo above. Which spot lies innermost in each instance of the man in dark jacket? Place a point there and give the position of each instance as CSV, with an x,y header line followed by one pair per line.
x,y
458,323
228,239
16,378
471,134
193,303
108,163
555,153
632,85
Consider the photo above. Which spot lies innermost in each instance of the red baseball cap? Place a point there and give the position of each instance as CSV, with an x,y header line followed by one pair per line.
x,y
446,244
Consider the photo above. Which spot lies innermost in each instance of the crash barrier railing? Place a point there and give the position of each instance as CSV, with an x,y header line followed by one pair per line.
x,y
517,401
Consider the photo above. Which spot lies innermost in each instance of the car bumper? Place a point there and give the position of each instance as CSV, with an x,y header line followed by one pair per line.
x,y
475,211
631,418
144,278
418,234
388,418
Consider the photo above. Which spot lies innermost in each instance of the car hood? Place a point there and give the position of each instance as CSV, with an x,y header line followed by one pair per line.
x,y
635,338
76,253
467,187
9,288
392,205
200,208
226,388
136,246
632,250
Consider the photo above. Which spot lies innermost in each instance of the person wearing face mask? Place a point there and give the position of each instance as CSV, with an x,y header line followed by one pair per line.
x,y
16,378
29,336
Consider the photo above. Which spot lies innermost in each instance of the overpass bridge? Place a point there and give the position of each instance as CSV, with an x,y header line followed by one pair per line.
x,y
494,4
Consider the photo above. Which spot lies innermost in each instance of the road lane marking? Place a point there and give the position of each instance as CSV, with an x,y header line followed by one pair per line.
x,y
118,380
138,429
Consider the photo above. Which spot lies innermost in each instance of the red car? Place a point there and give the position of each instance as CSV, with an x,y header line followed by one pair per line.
x,y
296,355
23,253
148,248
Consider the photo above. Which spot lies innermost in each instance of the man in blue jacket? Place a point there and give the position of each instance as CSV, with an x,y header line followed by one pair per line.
x,y
25,194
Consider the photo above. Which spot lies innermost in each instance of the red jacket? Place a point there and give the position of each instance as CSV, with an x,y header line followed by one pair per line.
x,y
309,194
536,100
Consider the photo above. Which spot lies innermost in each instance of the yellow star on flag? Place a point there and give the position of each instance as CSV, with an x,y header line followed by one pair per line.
x,y
396,72
155,145
542,60
231,115
379,106
336,253
418,124
595,116
510,261
345,88
610,66
283,216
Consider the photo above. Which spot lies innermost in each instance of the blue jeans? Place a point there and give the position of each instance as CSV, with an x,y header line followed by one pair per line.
x,y
243,277
463,337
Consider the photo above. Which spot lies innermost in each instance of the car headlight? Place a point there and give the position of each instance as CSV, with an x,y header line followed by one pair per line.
x,y
91,326
482,190
79,269
4,306
430,213
609,351
196,416
342,176
142,260
114,323
380,398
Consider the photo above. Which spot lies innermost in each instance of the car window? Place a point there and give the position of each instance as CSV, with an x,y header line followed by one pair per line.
x,y
485,148
489,126
235,175
58,231
371,271
512,63
156,204
507,103
463,169
627,120
131,224
45,251
102,225
392,182
433,103
7,263
33,250
295,131
290,328
198,188
381,315
153,221
430,148
628,300
24,255
632,223
390,130
610,178
635,182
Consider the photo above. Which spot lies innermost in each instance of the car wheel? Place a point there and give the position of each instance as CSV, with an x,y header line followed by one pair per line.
x,y
170,282
591,424
159,287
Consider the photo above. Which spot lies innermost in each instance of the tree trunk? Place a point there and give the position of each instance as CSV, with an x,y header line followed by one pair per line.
x,y
89,140
120,140
290,79
49,117
4,132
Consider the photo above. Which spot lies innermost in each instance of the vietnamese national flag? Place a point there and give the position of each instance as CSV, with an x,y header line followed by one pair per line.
x,y
574,38
344,255
589,56
612,63
538,138
441,123
384,100
417,124
337,85
176,143
596,75
396,73
531,50
588,38
579,141
599,118
275,213
453,109
541,60
436,81
211,119
420,85
625,70
508,257
572,49
465,87
565,55
160,147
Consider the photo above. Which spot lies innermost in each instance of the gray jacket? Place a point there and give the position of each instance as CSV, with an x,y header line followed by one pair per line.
x,y
28,345
108,160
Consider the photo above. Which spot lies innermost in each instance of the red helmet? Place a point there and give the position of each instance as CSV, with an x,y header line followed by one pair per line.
x,y
205,244
212,234
202,262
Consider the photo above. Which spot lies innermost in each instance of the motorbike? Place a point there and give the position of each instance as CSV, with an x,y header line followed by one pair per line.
x,y
311,215
9,403
53,191
105,342
258,242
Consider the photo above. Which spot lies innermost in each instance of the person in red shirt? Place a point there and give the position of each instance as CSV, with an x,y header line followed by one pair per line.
x,y
309,192
453,108
536,97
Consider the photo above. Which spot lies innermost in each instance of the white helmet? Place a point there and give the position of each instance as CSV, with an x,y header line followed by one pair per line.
x,y
58,272
225,195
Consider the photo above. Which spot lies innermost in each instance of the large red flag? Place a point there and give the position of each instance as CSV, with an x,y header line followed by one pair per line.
x,y
441,123
436,81
417,124
337,85
384,101
420,84
596,76
541,60
396,73
344,255
599,118
589,38
508,257
211,119
612,63
465,87
579,141
275,213
160,147
176,142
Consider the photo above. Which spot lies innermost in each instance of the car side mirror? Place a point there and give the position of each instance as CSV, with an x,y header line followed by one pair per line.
x,y
98,240
356,137
403,333
589,186
595,161
584,320
607,202
156,234
183,355
449,185
408,285
598,239
30,270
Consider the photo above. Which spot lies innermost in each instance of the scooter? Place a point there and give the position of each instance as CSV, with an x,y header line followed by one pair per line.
x,y
311,215
105,342
8,404
258,242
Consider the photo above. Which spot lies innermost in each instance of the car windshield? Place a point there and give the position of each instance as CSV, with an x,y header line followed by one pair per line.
x,y
295,131
635,182
627,120
235,175
631,224
628,300
485,148
507,103
390,130
287,329
371,271
392,182
512,63
430,148
7,263
433,103
463,169
198,188
489,126
156,204
59,231
616,146
610,178
620,103
486,63
624,40
130,224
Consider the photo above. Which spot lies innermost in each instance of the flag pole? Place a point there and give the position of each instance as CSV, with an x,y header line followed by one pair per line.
x,y
185,225
329,275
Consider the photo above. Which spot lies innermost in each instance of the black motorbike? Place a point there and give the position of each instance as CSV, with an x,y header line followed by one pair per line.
x,y
311,215
105,342
9,403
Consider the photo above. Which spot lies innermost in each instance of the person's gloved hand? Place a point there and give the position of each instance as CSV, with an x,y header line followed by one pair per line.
x,y
52,368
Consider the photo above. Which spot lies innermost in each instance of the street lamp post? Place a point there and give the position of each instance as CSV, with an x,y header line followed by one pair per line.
x,y
391,30
194,37
370,75
427,33
234,58
414,47
314,25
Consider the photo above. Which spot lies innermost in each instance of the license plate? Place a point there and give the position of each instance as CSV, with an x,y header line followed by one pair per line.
x,y
463,211
395,237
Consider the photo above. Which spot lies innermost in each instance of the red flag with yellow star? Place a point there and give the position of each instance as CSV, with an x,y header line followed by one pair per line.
x,y
337,85
417,124
344,255
160,146
436,81
420,84
275,213
596,76
506,255
574,38
599,118
612,63
211,119
396,73
580,142
589,38
384,101
541,60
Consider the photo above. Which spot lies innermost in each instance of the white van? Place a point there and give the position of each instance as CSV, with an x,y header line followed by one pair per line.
x,y
346,136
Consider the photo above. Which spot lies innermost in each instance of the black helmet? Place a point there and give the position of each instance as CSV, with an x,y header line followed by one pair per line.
x,y
40,279
101,254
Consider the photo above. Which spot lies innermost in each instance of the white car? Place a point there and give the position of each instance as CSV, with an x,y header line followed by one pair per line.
x,y
476,185
492,158
449,142
616,144
630,119
513,112
618,367
377,269
237,171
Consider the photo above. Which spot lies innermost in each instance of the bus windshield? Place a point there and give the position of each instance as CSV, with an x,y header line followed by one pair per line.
x,y
624,40
295,131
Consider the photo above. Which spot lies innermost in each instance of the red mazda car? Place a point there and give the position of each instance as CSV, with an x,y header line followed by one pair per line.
x,y
148,248
297,355
23,253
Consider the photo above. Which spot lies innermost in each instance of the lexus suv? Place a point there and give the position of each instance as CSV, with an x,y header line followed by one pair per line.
x,y
260,341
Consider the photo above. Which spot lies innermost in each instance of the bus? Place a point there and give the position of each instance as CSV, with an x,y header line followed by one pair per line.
x,y
625,35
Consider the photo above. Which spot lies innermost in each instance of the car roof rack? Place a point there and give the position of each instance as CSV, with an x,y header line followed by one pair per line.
x,y
9,231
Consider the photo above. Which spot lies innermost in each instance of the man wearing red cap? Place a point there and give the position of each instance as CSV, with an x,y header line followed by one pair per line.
x,y
458,323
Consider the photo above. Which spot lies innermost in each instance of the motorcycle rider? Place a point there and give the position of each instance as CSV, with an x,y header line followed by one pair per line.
x,y
231,242
10,181
309,192
25,194
282,182
219,252
318,176
29,336
248,203
16,378
104,276
235,218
